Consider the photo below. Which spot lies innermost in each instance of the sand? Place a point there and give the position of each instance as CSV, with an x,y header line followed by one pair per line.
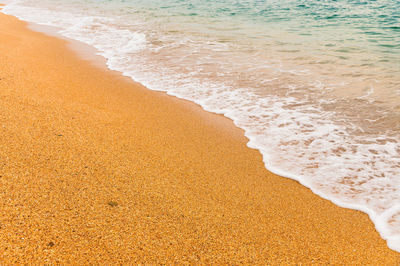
x,y
97,169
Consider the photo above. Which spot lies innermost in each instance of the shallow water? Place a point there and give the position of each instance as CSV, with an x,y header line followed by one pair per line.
x,y
315,84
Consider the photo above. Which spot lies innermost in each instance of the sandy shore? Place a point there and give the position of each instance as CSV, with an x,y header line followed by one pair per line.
x,y
97,169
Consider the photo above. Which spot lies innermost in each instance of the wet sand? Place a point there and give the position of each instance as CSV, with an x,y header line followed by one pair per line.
x,y
97,169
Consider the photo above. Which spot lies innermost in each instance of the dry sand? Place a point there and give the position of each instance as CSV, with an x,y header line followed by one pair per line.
x,y
97,169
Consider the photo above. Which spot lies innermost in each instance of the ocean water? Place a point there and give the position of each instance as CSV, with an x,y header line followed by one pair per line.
x,y
315,84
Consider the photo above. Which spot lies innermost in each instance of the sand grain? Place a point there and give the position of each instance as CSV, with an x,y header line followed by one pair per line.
x,y
97,169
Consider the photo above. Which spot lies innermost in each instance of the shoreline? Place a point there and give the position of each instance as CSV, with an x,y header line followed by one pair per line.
x,y
186,186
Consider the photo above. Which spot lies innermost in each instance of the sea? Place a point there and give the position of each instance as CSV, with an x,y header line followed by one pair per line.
x,y
315,84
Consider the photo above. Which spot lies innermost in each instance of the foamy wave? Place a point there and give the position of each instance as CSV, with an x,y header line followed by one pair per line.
x,y
298,139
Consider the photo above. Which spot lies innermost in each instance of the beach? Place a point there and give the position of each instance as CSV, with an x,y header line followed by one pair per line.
x,y
97,169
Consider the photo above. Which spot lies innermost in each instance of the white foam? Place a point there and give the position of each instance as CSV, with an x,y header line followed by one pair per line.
x,y
297,138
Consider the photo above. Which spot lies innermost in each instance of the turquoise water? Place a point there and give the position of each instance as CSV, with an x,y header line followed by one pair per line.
x,y
314,84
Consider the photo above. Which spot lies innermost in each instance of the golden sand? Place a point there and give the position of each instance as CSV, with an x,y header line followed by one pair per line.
x,y
97,169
